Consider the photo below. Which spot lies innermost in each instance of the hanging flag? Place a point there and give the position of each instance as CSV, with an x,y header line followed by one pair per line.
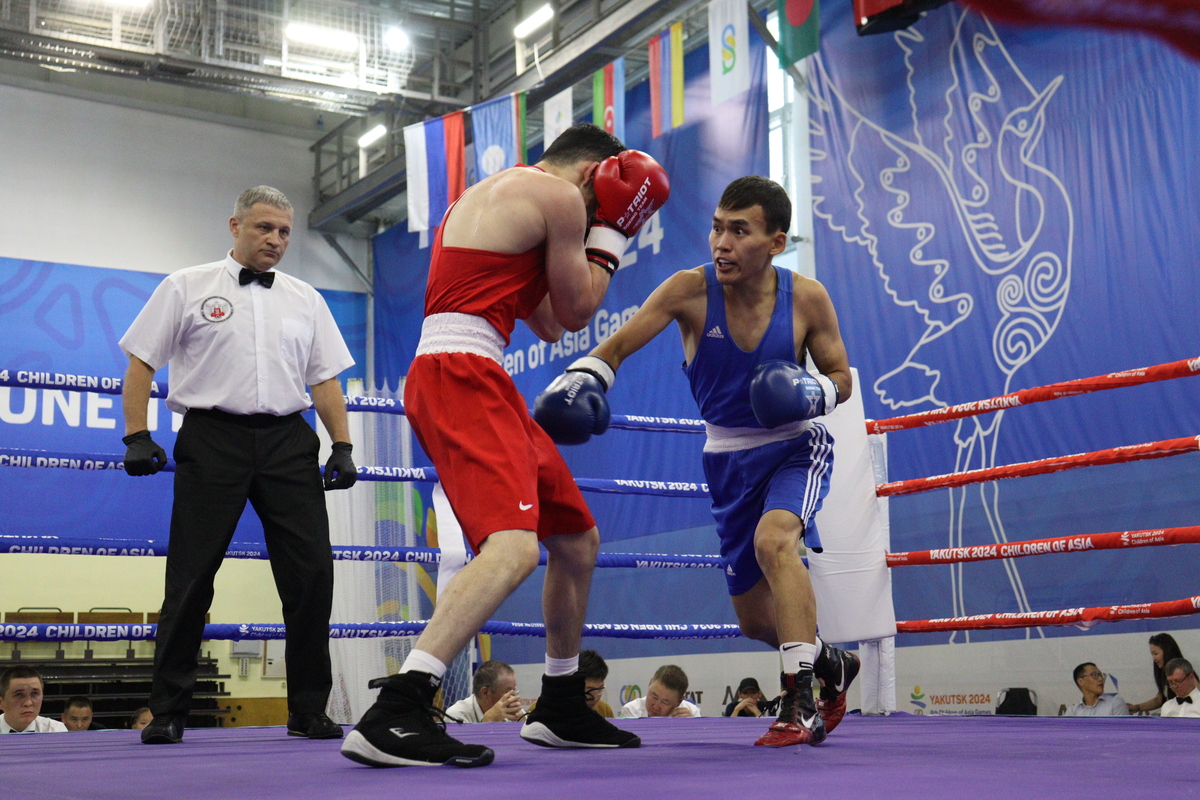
x,y
666,80
799,30
559,111
498,133
728,49
435,168
608,98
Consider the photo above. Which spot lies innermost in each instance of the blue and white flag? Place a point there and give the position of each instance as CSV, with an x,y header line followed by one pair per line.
x,y
498,130
728,49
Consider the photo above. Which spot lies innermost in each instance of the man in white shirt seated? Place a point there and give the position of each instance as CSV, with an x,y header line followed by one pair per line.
x,y
21,701
494,696
1095,703
664,697
1181,679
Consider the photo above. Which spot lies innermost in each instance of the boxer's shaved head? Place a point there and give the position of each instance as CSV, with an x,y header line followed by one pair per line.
x,y
755,190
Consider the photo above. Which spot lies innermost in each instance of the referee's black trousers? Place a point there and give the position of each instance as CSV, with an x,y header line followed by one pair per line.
x,y
222,460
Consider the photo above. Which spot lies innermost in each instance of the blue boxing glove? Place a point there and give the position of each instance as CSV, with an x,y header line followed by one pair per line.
x,y
782,392
574,407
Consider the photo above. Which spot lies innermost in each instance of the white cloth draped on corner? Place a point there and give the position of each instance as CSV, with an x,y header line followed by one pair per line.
x,y
352,522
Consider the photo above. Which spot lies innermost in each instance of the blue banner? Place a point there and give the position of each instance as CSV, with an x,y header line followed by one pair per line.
x,y
63,318
996,209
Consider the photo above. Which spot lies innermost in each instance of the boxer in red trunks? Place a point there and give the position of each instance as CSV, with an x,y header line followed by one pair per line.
x,y
515,246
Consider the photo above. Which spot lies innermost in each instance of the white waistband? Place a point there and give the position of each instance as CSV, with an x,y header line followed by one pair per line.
x,y
728,440
460,333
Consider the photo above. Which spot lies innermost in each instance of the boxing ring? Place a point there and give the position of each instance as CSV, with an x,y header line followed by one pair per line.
x,y
897,756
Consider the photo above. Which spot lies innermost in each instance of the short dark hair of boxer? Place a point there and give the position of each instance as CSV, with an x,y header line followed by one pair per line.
x,y
487,675
583,142
592,666
673,678
755,190
15,673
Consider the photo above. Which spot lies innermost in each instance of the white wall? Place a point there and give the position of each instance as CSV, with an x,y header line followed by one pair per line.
x,y
948,679
108,186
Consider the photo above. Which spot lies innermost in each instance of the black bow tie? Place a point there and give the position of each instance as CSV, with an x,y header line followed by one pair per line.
x,y
248,275
1182,700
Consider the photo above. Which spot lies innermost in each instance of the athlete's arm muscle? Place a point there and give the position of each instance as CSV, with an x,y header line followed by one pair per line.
x,y
823,340
543,323
576,285
674,300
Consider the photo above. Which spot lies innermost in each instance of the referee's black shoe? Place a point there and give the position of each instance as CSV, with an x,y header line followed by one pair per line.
x,y
314,726
164,729
562,718
402,729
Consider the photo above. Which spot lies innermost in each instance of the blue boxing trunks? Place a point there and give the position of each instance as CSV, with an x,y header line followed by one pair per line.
x,y
792,474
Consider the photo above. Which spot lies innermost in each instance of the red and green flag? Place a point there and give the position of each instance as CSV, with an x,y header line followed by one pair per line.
x,y
799,30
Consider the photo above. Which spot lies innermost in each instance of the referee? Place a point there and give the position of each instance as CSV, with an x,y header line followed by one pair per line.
x,y
244,343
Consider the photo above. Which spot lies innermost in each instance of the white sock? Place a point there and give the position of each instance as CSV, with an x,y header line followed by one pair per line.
x,y
561,666
796,655
421,661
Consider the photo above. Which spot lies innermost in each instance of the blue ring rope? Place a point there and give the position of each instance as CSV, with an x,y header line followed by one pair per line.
x,y
90,462
77,546
26,379
100,632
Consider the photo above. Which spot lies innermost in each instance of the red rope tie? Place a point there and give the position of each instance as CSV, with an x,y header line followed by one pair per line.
x,y
1059,544
1039,394
1083,617
1113,455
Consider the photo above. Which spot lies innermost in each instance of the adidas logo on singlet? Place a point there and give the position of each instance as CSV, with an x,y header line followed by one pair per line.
x,y
715,332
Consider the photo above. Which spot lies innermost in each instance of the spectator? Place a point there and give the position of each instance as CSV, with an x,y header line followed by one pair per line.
x,y
77,715
1095,703
1162,649
140,718
750,701
21,701
664,696
494,696
594,670
1181,678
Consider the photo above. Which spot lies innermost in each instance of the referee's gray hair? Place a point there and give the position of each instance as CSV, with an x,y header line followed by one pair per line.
x,y
1178,663
267,195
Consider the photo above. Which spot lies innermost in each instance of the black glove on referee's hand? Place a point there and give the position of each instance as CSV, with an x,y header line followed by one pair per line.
x,y
143,456
340,472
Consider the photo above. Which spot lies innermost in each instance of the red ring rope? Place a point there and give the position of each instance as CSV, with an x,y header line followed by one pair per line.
x,y
1113,455
1058,544
1086,617
1038,394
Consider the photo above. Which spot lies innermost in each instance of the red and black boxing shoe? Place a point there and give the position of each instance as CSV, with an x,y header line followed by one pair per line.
x,y
798,722
836,669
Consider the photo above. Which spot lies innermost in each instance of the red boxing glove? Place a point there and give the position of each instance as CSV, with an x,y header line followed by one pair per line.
x,y
630,187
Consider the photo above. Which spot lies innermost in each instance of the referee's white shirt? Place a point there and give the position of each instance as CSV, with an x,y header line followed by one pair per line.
x,y
241,349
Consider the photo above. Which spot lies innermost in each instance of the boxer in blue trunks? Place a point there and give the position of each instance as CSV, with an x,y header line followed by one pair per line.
x,y
747,327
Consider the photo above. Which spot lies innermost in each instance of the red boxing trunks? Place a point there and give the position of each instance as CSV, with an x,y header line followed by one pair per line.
x,y
499,469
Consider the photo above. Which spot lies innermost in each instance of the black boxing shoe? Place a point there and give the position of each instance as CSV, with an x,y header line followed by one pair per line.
x,y
402,729
314,726
836,669
562,718
798,722
164,729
